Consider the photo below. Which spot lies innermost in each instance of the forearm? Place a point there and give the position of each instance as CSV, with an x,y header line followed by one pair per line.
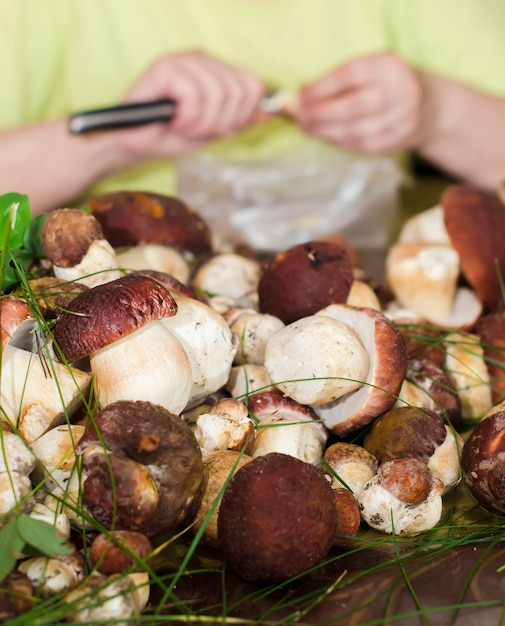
x,y
53,167
464,132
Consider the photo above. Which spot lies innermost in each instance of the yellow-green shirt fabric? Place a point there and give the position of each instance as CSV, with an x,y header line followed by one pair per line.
x,y
61,56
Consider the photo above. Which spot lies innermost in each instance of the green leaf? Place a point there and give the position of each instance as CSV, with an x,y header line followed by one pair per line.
x,y
15,216
10,271
11,544
31,240
42,536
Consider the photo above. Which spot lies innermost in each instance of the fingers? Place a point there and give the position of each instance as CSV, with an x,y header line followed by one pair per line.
x,y
214,99
371,105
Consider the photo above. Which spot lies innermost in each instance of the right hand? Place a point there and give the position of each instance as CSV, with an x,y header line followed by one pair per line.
x,y
215,100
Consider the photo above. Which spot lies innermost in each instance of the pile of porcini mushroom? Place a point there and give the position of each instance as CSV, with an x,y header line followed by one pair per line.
x,y
151,383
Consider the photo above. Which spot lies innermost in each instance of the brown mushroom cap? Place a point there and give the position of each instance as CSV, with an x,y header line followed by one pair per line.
x,y
113,552
475,221
129,218
13,312
277,518
483,462
67,235
405,431
305,278
101,315
156,465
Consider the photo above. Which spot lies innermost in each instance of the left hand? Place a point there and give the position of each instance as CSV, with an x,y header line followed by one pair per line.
x,y
373,104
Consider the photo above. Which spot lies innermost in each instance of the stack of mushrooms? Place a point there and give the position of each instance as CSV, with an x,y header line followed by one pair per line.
x,y
152,385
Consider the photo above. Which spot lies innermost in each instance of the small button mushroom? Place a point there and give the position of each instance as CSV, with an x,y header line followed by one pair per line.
x,y
142,468
253,330
388,359
349,465
219,467
16,596
58,519
129,218
304,279
133,356
316,360
277,518
227,274
483,462
225,426
287,427
403,497
419,433
54,575
74,242
118,551
115,598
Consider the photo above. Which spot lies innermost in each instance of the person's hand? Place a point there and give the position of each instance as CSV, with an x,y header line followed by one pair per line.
x,y
214,100
374,104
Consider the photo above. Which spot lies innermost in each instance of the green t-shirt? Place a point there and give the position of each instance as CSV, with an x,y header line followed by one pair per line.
x,y
61,56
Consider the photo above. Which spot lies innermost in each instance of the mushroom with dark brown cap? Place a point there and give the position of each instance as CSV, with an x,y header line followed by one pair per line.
x,y
116,551
132,354
132,217
475,222
277,518
388,365
74,242
420,433
305,278
142,468
483,462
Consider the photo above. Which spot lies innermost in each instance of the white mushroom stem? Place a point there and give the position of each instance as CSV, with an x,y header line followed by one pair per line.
x,y
253,330
98,266
444,462
316,360
423,278
208,342
37,392
294,436
467,369
59,520
149,364
428,226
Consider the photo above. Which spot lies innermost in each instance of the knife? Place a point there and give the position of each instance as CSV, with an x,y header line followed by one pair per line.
x,y
139,113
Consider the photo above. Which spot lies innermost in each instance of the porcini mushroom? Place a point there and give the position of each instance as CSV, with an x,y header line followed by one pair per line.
x,y
132,355
74,242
